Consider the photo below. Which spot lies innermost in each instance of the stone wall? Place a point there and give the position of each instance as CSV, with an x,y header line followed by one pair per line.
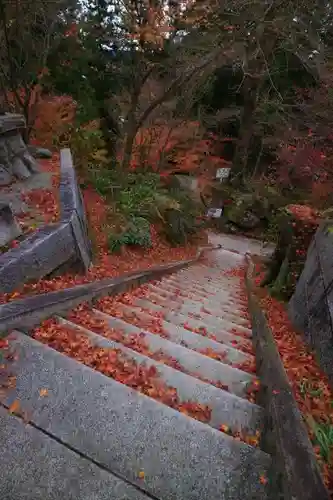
x,y
16,161
311,306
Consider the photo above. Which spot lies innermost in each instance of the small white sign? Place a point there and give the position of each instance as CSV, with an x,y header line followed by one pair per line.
x,y
215,213
222,173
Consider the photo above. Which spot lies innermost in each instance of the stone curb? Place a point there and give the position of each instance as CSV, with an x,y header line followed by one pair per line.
x,y
295,474
24,314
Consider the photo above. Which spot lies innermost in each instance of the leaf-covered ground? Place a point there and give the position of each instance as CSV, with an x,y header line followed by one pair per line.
x,y
105,265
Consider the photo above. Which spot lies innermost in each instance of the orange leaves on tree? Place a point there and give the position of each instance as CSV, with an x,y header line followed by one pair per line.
x,y
55,115
175,148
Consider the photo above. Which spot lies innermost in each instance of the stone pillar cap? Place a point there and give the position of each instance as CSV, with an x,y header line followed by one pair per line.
x,y
11,121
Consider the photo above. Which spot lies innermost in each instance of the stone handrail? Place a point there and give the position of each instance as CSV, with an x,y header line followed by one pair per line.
x,y
24,314
72,207
54,246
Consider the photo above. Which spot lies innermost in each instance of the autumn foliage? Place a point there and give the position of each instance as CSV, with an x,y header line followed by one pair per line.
x,y
177,148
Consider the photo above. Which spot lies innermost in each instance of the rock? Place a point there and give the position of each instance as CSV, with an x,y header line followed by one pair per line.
x,y
9,227
42,153
4,159
31,163
245,212
10,121
15,158
19,169
5,176
15,144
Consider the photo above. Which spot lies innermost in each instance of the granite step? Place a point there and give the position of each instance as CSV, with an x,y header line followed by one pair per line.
x,y
36,466
173,293
227,307
219,293
192,325
197,364
227,408
203,277
200,282
195,307
223,304
126,432
183,287
188,339
196,312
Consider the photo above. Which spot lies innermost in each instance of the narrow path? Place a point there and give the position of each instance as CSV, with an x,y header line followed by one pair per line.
x,y
153,390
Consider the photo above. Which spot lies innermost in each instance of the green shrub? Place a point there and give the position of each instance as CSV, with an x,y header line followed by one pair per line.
x,y
137,233
181,223
179,227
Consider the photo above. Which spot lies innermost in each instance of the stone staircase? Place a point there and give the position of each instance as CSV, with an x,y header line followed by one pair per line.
x,y
193,434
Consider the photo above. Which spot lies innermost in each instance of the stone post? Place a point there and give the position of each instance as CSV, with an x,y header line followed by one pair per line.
x,y
16,162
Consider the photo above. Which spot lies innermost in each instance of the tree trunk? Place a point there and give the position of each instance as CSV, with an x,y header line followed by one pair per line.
x,y
128,147
240,160
110,130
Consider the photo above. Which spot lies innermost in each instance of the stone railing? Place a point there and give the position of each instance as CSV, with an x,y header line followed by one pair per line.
x,y
54,247
16,161
72,208
28,312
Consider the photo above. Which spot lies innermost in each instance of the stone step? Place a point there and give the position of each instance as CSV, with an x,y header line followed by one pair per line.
x,y
203,281
222,288
192,325
204,302
36,467
221,335
195,363
223,291
127,432
172,292
191,305
193,340
215,270
187,310
209,304
236,412
182,286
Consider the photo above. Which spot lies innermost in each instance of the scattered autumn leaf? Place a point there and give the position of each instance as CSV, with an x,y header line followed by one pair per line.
x,y
15,406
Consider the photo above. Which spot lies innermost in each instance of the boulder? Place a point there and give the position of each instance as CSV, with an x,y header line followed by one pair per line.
x,y
5,176
246,212
30,162
9,227
19,169
41,153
